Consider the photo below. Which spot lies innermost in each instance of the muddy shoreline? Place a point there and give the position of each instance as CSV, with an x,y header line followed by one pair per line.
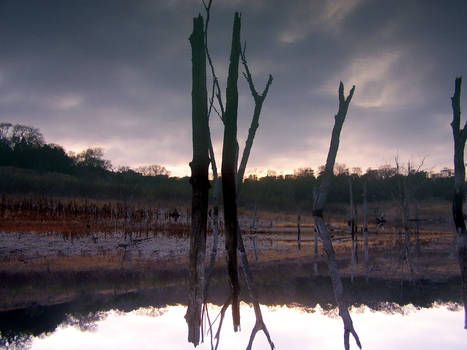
x,y
43,277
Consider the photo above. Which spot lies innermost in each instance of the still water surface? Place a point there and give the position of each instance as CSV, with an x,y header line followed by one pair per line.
x,y
409,327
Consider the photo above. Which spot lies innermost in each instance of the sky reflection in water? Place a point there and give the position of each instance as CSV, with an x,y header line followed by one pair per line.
x,y
290,328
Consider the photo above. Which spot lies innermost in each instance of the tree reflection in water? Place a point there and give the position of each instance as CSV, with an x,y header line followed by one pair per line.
x,y
294,327
297,292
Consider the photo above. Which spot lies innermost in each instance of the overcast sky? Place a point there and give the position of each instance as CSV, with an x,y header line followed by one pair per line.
x,y
117,74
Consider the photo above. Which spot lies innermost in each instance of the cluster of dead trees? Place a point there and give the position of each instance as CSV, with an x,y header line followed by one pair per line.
x,y
75,218
232,176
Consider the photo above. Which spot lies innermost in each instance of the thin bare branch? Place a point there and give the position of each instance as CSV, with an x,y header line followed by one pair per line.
x,y
219,100
221,321
216,90
247,73
211,101
259,325
266,88
259,99
218,113
208,6
421,164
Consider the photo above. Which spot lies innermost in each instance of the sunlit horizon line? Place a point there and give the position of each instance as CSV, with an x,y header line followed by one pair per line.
x,y
184,171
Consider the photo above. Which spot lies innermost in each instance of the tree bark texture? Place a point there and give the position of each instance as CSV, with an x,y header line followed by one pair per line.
x,y
460,136
229,170
319,201
199,181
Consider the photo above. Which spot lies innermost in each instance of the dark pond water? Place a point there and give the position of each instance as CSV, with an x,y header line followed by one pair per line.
x,y
300,314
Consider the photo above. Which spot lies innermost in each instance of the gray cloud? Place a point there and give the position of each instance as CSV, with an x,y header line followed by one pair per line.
x,y
117,74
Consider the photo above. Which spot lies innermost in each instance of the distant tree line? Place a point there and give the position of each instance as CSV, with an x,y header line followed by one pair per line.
x,y
28,165
24,146
295,192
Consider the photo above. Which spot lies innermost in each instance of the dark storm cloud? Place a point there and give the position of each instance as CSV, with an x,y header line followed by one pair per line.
x,y
117,74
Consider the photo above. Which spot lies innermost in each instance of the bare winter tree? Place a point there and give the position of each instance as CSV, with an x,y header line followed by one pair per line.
x,y
460,136
403,196
319,201
229,170
199,181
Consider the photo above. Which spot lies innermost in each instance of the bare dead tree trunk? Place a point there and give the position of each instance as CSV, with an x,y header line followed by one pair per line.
x,y
405,219
417,229
315,257
352,230
299,235
460,136
199,181
365,227
319,201
254,247
229,171
253,220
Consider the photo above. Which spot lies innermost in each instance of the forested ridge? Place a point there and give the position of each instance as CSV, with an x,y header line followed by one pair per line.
x,y
30,166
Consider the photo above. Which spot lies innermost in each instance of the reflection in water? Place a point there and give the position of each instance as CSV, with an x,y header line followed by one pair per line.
x,y
147,318
310,319
293,328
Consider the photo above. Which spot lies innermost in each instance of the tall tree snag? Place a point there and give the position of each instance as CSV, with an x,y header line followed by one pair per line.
x,y
199,182
229,171
319,201
460,136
